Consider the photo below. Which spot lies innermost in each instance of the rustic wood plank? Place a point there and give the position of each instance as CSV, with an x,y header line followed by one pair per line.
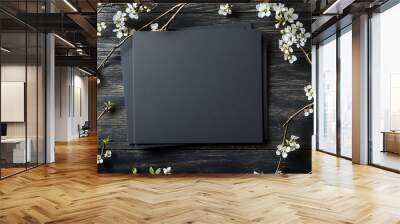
x,y
202,8
204,161
285,84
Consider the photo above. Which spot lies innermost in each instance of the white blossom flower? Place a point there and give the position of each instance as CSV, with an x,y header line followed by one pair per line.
x,y
290,16
279,8
309,92
99,159
225,9
308,111
167,171
292,35
154,27
279,150
294,146
144,8
121,32
107,154
100,27
132,10
289,146
284,15
301,35
264,9
291,58
286,47
119,20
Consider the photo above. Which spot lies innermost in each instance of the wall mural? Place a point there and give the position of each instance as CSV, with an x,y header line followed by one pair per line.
x,y
288,96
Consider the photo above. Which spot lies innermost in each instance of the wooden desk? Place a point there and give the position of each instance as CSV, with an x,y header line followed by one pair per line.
x,y
391,141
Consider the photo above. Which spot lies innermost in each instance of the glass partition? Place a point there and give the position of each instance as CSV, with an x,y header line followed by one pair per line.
x,y
14,146
31,97
22,77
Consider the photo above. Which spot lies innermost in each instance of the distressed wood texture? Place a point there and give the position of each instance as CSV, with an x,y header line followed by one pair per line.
x,y
285,95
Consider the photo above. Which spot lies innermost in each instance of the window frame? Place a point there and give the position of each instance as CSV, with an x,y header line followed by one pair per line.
x,y
333,37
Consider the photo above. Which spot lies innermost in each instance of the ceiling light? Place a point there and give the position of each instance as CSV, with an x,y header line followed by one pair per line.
x,y
84,71
64,40
5,50
70,5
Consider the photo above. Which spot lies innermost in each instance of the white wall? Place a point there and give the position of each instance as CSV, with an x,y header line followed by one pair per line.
x,y
33,105
17,73
12,73
71,102
62,81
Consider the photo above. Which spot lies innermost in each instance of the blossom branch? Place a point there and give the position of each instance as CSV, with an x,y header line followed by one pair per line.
x,y
101,7
306,54
101,114
293,32
297,113
172,17
104,154
292,141
109,106
104,61
279,165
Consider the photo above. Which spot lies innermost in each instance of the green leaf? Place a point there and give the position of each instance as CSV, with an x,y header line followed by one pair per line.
x,y
106,141
134,170
109,106
158,171
151,170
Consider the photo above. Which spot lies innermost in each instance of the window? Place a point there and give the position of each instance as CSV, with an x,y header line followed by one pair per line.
x,y
334,99
326,95
385,89
346,93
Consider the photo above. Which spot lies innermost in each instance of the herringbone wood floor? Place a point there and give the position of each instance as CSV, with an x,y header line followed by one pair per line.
x,y
70,191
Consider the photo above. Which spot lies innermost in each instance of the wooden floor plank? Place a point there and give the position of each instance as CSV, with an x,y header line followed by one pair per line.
x,y
71,191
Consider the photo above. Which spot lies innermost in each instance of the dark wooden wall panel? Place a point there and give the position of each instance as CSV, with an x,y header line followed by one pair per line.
x,y
285,95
